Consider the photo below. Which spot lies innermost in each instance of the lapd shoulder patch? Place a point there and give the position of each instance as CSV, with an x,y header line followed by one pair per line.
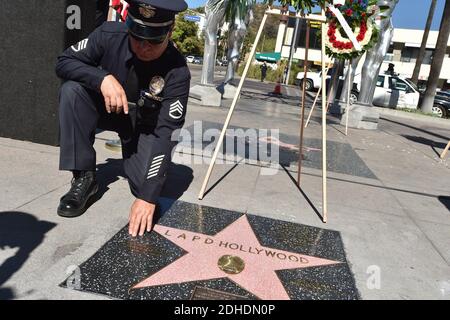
x,y
80,45
176,110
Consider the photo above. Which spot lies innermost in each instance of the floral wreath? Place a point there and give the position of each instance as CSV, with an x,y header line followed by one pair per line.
x,y
358,14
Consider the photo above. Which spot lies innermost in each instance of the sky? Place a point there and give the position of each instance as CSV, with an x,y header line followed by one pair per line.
x,y
409,14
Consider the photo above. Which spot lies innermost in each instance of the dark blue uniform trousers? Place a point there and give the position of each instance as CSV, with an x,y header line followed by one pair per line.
x,y
81,112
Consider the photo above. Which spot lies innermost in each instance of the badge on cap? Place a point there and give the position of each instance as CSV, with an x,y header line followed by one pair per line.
x,y
147,11
156,85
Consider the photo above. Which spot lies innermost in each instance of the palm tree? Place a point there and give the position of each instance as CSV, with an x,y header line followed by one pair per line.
x,y
415,77
438,59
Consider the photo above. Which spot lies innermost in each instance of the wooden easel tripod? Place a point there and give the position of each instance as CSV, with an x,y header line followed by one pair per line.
x,y
311,17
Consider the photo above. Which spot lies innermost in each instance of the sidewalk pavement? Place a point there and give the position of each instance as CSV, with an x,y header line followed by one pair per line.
x,y
387,190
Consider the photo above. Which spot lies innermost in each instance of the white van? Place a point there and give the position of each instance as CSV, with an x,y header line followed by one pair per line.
x,y
395,92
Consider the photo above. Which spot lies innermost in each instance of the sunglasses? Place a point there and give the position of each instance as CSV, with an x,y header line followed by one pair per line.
x,y
147,34
153,41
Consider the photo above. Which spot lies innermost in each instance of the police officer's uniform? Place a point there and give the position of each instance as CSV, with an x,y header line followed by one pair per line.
x,y
146,133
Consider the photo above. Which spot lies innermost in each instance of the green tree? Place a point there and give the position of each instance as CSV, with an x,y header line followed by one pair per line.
x,y
438,59
185,36
200,10
415,77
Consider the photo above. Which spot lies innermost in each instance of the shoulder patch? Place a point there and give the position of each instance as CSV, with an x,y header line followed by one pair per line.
x,y
80,45
176,110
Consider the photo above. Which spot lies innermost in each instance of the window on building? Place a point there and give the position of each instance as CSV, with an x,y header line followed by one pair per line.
x,y
428,58
314,39
409,54
390,54
389,57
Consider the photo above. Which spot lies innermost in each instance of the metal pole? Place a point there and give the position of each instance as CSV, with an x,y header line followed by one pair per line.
x,y
293,48
302,122
324,129
348,95
233,106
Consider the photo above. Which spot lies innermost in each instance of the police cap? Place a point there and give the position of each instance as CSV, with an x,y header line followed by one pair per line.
x,y
153,19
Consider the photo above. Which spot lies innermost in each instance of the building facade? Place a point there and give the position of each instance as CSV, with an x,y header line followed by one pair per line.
x,y
403,51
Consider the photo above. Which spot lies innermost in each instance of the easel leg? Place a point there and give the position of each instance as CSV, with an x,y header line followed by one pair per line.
x,y
324,128
302,121
348,95
233,106
313,107
445,150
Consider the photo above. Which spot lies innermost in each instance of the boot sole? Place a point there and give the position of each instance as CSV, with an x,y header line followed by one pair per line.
x,y
82,210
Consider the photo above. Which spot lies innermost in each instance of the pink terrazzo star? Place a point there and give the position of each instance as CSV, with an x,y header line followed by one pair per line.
x,y
238,239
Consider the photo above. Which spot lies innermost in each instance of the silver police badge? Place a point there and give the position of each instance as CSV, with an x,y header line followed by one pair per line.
x,y
156,85
147,11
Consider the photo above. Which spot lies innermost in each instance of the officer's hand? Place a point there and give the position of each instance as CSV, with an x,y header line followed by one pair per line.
x,y
141,217
115,97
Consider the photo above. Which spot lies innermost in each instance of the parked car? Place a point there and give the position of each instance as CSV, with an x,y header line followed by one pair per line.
x,y
313,79
441,107
222,63
392,92
398,92
190,59
395,92
197,60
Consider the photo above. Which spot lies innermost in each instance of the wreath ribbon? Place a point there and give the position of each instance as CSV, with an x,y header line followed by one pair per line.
x,y
345,26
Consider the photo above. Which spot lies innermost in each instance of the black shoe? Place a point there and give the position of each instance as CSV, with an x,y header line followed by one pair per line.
x,y
74,203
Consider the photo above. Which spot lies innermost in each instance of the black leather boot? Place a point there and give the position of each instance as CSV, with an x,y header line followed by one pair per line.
x,y
75,202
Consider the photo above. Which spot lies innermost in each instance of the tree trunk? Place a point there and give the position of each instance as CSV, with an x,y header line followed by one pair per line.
x,y
438,59
415,77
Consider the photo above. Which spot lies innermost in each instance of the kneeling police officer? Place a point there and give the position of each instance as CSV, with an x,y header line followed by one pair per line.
x,y
128,78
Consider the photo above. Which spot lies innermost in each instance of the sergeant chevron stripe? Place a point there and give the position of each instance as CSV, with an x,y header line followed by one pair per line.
x,y
155,166
80,45
176,110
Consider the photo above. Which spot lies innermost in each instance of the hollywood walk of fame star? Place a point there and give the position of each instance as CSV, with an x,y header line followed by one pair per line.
x,y
237,239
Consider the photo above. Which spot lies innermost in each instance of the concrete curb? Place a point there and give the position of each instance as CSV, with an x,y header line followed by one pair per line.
x,y
413,116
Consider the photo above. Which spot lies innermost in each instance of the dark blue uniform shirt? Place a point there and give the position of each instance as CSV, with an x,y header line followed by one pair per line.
x,y
107,52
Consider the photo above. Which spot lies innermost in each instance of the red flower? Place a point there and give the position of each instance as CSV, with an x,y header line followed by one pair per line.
x,y
360,37
349,12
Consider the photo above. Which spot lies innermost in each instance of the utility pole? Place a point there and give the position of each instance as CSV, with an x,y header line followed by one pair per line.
x,y
293,48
